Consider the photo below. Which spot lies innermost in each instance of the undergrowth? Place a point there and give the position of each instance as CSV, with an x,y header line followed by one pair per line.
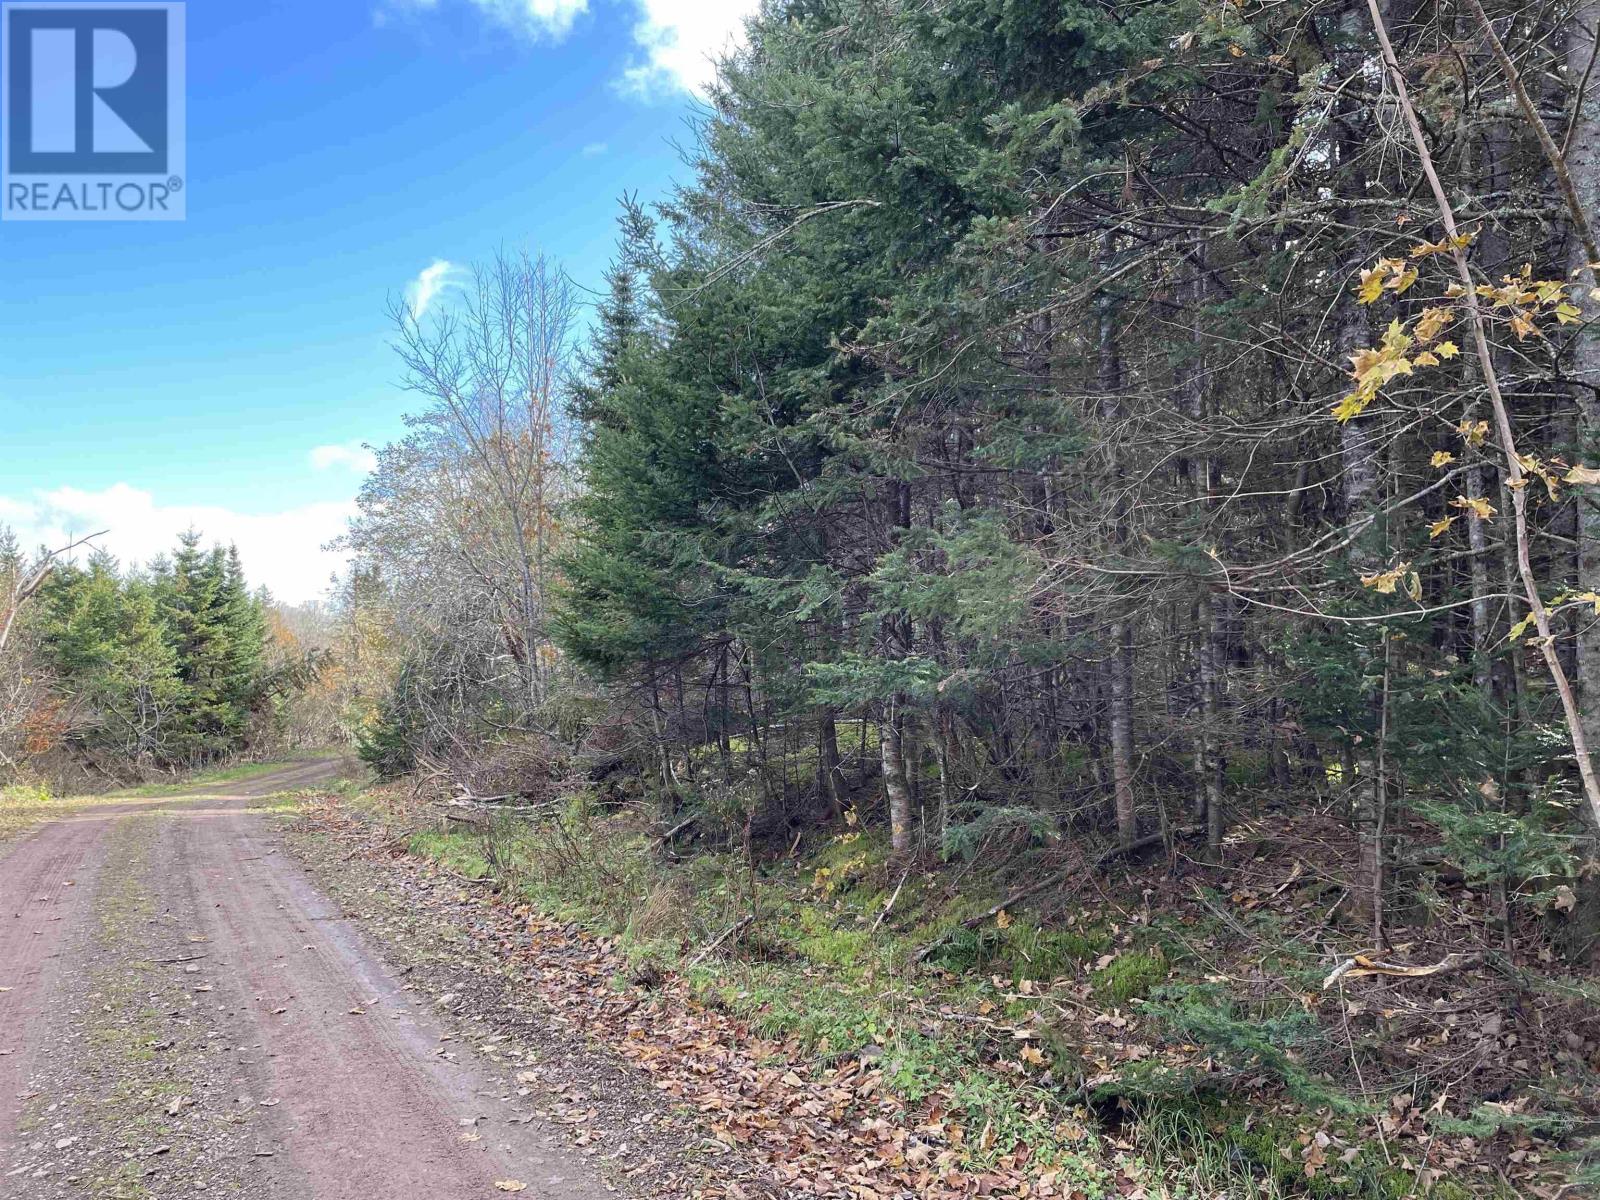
x,y
1086,1037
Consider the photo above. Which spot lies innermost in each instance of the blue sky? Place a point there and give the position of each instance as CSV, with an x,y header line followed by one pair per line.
x,y
225,369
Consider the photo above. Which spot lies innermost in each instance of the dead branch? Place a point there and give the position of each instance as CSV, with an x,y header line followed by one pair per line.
x,y
667,837
887,907
736,928
1359,965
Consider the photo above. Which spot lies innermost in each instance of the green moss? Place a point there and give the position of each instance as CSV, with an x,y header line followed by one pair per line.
x,y
1129,976
1035,953
835,947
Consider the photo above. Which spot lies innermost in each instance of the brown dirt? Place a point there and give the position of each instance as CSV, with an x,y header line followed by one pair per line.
x,y
186,1012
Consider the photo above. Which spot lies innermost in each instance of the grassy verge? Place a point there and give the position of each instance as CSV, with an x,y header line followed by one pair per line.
x,y
24,806
1096,1046
236,773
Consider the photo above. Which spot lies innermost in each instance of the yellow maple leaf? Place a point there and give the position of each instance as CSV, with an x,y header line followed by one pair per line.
x,y
1395,336
1441,458
1385,582
1371,285
1433,322
1582,474
1447,350
1352,406
1002,919
1440,526
1476,505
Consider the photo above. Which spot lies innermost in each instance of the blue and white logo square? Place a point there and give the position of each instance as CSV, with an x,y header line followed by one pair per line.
x,y
92,112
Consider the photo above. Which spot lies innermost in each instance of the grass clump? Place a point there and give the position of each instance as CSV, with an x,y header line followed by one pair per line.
x,y
455,852
1022,950
23,805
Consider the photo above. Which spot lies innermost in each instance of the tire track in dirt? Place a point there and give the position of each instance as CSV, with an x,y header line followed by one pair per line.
x,y
139,1094
46,879
46,882
370,1102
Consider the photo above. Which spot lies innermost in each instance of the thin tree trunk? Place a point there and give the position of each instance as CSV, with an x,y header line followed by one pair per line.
x,y
1122,745
947,737
1359,452
895,786
1120,660
1373,846
1482,634
828,765
1215,633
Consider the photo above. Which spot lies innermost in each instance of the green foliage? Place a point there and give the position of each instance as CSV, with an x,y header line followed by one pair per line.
x,y
168,666
1129,976
1270,1042
1492,843
462,853
1022,950
1235,1150
966,839
388,743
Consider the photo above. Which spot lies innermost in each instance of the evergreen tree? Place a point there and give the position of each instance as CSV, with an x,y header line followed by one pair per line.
x,y
105,641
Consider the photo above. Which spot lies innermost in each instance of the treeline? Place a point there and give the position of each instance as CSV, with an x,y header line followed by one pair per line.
x,y
177,664
1076,396
1074,416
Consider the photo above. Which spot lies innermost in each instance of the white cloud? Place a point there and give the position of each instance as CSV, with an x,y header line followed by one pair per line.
x,y
432,280
282,550
530,18
353,455
682,40
594,149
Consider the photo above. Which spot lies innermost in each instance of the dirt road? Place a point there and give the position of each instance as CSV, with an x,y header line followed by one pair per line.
x,y
182,1012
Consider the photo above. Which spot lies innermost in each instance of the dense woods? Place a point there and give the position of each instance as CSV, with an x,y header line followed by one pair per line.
x,y
114,674
1076,396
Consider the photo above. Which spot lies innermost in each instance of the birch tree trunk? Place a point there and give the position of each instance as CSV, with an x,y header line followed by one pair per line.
x,y
895,785
1580,935
1583,165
